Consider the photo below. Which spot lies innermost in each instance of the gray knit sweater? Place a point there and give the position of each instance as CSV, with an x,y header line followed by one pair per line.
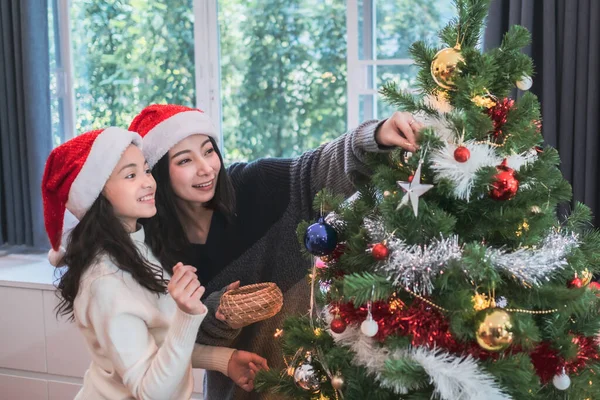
x,y
273,196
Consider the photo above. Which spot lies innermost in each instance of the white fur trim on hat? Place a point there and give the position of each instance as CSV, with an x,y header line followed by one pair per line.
x,y
173,130
55,257
100,163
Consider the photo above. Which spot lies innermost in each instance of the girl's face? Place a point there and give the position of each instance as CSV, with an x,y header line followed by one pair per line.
x,y
194,167
130,189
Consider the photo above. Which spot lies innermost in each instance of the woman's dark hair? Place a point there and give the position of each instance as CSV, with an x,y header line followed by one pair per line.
x,y
164,231
100,232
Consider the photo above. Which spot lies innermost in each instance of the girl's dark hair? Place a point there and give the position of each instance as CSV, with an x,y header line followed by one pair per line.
x,y
100,232
164,231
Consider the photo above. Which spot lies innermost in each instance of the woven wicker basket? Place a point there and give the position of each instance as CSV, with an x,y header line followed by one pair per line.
x,y
251,303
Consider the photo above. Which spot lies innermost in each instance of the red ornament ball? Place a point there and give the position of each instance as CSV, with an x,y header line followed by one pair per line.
x,y
462,154
380,251
594,285
410,178
505,185
576,283
338,325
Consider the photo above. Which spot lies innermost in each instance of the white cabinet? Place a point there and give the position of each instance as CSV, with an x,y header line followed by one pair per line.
x,y
41,357
62,390
66,352
22,337
19,388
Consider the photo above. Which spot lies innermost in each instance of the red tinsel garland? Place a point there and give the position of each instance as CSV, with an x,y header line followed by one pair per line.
x,y
499,115
426,326
548,362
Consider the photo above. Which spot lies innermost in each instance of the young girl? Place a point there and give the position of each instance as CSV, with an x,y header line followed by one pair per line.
x,y
139,328
240,222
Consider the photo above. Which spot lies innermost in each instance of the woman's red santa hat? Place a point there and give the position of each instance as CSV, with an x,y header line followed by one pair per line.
x,y
75,174
164,125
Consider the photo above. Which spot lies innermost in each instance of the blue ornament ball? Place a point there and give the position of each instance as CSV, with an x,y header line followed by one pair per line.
x,y
320,238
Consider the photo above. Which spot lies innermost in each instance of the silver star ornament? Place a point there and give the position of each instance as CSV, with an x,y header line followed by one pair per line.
x,y
413,190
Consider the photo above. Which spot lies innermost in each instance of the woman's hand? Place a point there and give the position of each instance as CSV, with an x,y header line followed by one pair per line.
x,y
242,368
186,290
400,130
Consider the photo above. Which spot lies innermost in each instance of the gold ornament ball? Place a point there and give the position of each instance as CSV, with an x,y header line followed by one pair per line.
x,y
337,382
444,67
494,332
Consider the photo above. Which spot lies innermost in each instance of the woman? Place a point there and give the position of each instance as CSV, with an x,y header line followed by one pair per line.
x,y
240,222
139,328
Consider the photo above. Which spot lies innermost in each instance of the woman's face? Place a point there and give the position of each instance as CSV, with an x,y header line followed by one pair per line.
x,y
130,188
194,167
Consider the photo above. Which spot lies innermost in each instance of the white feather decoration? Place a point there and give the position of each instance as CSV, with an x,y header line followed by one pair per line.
x,y
439,103
454,378
516,161
463,174
457,378
439,125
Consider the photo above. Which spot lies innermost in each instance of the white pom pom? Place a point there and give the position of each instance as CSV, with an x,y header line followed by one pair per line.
x,y
55,257
369,327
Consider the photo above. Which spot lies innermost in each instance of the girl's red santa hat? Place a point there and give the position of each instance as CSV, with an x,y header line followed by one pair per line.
x,y
75,174
164,125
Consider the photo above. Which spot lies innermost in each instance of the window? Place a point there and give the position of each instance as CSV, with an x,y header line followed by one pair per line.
x,y
380,35
283,75
278,76
125,55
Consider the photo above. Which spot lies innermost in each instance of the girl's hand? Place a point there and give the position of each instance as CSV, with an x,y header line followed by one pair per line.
x,y
243,367
186,290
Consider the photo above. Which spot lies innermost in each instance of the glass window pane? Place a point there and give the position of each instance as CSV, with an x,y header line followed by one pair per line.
x,y
405,76
127,55
399,23
283,76
366,107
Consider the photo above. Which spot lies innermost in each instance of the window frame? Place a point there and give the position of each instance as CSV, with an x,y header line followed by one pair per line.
x,y
207,63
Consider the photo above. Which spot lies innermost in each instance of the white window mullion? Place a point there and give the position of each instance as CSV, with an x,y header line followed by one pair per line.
x,y
64,73
206,58
354,69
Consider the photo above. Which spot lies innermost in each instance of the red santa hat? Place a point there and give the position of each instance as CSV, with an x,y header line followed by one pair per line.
x,y
75,174
164,125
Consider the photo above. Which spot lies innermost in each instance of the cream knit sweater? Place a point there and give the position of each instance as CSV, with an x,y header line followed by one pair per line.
x,y
142,345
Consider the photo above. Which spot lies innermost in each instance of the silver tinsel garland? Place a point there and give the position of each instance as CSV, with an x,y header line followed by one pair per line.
x,y
416,266
531,266
413,266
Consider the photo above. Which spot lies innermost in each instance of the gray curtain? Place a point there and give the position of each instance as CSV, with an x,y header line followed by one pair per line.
x,y
25,125
565,49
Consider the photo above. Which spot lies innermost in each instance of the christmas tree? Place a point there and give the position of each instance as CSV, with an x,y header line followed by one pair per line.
x,y
451,274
